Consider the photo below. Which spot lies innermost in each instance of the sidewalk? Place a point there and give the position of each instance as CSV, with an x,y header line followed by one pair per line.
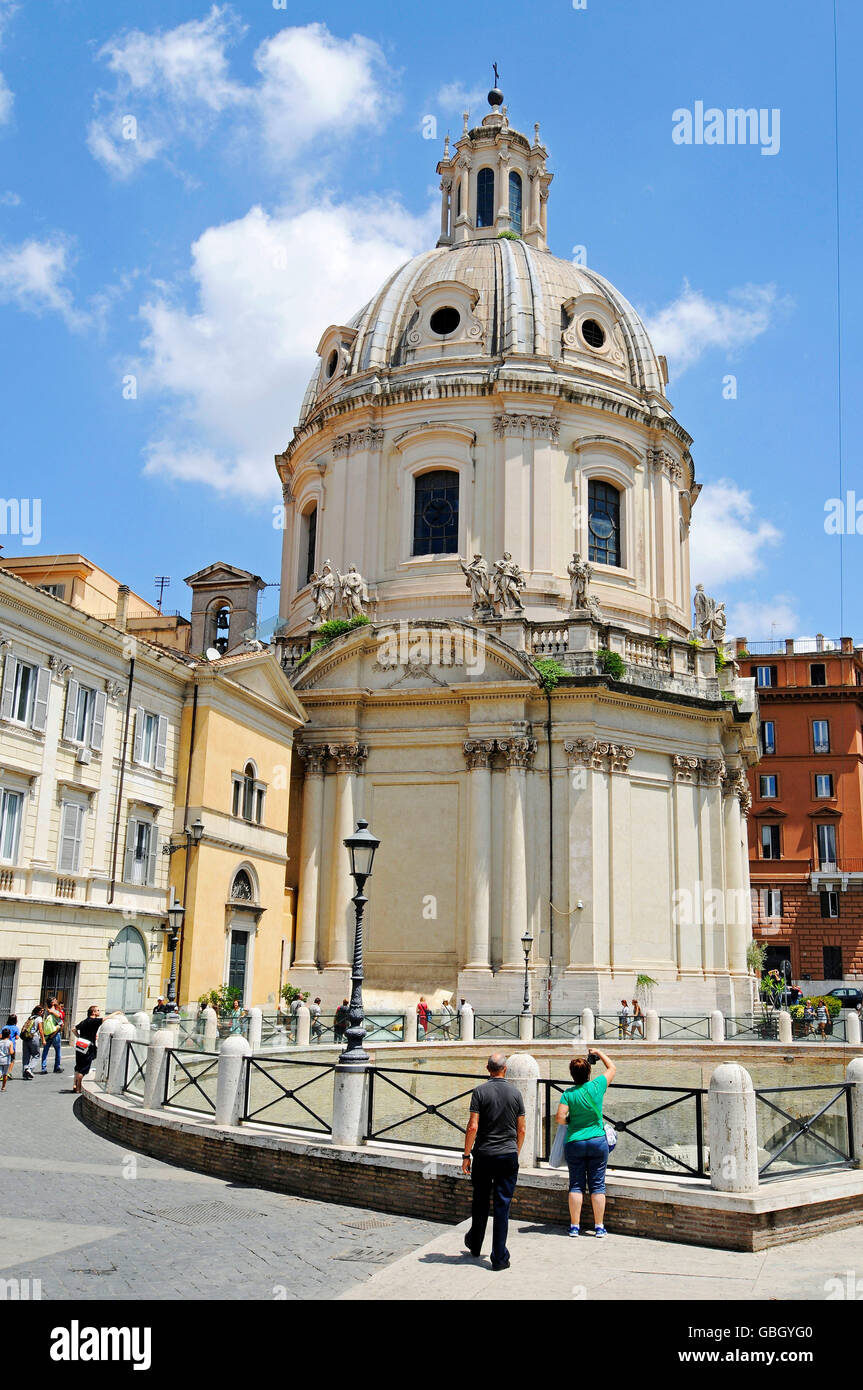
x,y
546,1264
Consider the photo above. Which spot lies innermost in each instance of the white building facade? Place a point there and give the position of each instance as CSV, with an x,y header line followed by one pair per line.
x,y
493,400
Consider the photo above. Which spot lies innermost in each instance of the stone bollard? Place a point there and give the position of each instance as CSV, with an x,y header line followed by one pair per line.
x,y
230,1083
651,1025
732,1130
410,1030
854,1075
587,1025
466,1024
126,1033
304,1025
157,1066
350,1105
717,1026
256,1025
103,1048
785,1032
525,1027
211,1029
144,1025
852,1028
523,1071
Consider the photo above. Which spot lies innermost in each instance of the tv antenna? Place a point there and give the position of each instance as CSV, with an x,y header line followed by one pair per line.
x,y
161,581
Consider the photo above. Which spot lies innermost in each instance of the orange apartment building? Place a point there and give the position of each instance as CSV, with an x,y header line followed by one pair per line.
x,y
806,822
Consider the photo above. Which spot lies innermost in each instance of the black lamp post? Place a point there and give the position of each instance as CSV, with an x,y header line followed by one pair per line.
x,y
526,945
176,913
361,846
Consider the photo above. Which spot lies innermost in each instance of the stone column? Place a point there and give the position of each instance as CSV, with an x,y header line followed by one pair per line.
x,y
523,1071
313,758
622,905
736,799
446,189
687,867
732,1130
478,754
230,1080
589,944
519,753
545,522
349,760
511,525
710,772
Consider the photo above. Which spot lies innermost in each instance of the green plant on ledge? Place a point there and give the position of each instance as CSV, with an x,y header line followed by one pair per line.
x,y
221,999
694,642
328,632
549,672
756,954
744,653
612,663
508,236
662,641
645,984
720,658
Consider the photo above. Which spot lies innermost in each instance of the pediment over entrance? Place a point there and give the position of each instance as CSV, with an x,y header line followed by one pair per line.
x,y
414,656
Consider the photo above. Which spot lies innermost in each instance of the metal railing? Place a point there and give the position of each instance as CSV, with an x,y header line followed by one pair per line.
x,y
135,1071
288,1108
751,1027
392,1089
795,1134
610,1026
195,1068
495,1026
551,1026
683,1026
641,1116
441,1028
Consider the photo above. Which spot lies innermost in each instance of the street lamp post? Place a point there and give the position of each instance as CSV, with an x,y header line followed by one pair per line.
x,y
526,945
361,846
176,913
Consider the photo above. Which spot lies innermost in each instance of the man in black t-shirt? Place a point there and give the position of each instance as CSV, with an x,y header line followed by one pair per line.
x,y
494,1136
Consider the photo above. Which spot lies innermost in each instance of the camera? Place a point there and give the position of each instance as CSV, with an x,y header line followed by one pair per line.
x,y
592,1059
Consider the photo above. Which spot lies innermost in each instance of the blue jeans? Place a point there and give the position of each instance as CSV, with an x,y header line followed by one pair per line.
x,y
55,1043
494,1176
586,1160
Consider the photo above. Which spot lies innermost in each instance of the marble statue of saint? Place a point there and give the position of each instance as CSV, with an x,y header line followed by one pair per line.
x,y
477,580
718,625
508,584
580,573
705,607
324,593
354,592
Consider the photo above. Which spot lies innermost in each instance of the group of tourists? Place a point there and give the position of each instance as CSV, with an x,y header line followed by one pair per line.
x,y
630,1020
41,1035
495,1134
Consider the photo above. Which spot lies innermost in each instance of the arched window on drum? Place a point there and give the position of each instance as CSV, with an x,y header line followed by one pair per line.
x,y
515,200
436,513
485,198
603,523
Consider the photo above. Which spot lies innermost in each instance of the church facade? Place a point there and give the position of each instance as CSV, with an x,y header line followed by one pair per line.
x,y
488,478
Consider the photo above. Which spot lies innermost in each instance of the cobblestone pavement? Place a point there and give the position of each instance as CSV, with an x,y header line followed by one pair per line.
x,y
92,1220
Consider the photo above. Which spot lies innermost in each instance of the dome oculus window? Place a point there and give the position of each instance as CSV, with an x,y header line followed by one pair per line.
x,y
445,320
436,513
332,363
593,333
603,522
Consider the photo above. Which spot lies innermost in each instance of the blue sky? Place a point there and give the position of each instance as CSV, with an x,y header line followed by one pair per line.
x,y
279,170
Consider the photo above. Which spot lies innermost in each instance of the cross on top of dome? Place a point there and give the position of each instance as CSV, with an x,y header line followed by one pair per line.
x,y
494,182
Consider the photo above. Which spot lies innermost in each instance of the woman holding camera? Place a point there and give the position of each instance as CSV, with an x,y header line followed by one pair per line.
x,y
586,1149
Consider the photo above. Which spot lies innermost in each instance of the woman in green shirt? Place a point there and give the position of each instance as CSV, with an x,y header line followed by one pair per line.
x,y
586,1150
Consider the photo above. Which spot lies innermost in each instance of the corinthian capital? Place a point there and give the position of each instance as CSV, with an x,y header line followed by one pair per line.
x,y
710,771
313,756
518,752
349,756
685,769
620,756
478,752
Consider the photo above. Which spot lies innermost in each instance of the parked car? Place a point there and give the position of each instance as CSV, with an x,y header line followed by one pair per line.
x,y
848,996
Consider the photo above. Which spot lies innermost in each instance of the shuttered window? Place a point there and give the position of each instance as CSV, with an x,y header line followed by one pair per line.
x,y
71,837
140,859
11,808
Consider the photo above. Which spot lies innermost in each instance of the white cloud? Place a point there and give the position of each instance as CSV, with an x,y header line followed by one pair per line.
x,y
728,539
762,619
177,86
33,275
455,96
693,324
10,199
239,362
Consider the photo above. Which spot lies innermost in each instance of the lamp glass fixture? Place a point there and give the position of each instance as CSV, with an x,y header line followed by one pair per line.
x,y
196,830
176,913
526,943
362,846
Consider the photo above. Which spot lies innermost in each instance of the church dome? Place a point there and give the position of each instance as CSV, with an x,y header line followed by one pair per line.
x,y
474,306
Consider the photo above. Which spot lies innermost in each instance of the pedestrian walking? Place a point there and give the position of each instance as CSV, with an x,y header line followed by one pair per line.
x,y
586,1147
340,1021
423,1016
447,1014
32,1042
808,1019
14,1030
53,1018
85,1043
624,1014
295,1004
236,1016
823,1018
317,1028
7,1056
492,1144
637,1020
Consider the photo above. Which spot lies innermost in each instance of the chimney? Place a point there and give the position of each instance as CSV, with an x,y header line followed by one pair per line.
x,y
122,610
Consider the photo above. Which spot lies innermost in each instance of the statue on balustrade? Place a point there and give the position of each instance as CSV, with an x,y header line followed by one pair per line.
x,y
508,583
581,599
710,618
477,580
324,593
354,592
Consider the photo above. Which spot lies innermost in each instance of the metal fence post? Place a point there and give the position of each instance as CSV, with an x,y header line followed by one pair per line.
x,y
157,1058
231,1075
732,1130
